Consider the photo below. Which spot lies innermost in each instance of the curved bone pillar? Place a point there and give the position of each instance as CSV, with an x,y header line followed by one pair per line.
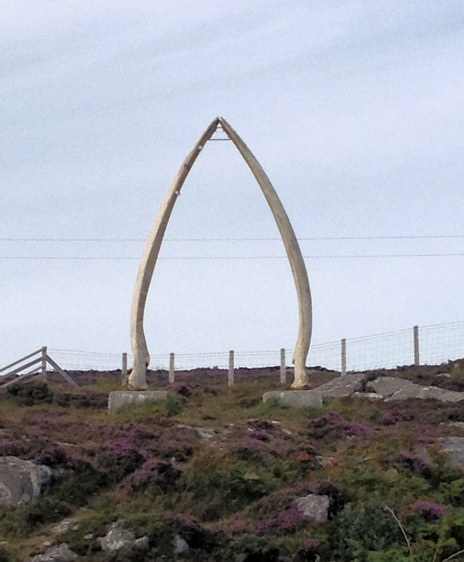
x,y
137,378
295,257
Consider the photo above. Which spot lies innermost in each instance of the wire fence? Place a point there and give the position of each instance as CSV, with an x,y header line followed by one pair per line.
x,y
435,344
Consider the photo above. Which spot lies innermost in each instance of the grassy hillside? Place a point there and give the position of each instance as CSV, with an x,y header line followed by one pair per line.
x,y
217,468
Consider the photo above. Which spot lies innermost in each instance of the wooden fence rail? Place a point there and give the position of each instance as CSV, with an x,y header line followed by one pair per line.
x,y
40,361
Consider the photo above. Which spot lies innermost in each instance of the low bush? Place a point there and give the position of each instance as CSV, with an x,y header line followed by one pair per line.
x,y
31,394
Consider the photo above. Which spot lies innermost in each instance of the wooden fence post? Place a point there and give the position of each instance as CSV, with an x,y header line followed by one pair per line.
x,y
416,345
231,368
283,367
124,378
172,363
44,361
343,369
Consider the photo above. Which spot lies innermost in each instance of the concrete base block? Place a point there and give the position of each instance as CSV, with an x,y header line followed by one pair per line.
x,y
295,398
121,398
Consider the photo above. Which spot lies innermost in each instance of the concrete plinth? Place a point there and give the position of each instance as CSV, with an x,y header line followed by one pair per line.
x,y
295,398
121,398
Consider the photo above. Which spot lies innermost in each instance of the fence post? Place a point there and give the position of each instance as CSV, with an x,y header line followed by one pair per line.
x,y
172,363
343,369
231,368
124,378
416,345
283,367
44,361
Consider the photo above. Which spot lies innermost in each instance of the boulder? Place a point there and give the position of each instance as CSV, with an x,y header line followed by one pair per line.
x,y
314,507
393,388
57,553
21,481
341,387
180,545
116,538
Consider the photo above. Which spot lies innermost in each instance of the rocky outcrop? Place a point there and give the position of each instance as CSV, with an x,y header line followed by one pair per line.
x,y
392,388
342,387
21,481
314,507
359,385
118,538
57,553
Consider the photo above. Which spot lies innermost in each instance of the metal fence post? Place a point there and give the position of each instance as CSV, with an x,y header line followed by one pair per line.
x,y
172,363
124,378
283,367
343,369
231,368
416,345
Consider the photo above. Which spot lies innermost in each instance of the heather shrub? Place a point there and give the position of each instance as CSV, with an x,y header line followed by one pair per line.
x,y
453,492
154,475
162,530
30,394
181,388
45,509
392,417
78,485
368,482
120,458
405,460
287,520
450,535
221,491
370,528
430,510
337,495
13,524
5,555
11,447
89,399
334,426
425,434
54,455
158,436
173,405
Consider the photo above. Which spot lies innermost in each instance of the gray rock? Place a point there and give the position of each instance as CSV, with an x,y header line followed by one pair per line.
x,y
21,481
393,388
341,387
180,545
372,396
142,543
455,424
58,553
387,386
119,399
116,538
314,507
296,398
454,446
62,526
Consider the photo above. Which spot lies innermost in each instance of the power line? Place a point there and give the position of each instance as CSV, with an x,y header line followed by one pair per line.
x,y
193,258
314,239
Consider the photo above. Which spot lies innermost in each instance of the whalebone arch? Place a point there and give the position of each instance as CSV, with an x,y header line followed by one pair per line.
x,y
137,379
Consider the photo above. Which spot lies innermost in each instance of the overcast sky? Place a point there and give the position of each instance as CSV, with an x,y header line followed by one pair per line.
x,y
354,109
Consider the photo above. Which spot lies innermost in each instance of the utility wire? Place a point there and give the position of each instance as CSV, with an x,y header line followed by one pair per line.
x,y
194,258
318,238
